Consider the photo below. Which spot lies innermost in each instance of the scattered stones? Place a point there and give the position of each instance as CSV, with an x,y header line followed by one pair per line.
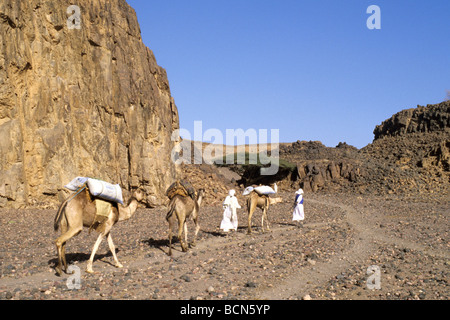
x,y
311,262
186,278
251,284
240,267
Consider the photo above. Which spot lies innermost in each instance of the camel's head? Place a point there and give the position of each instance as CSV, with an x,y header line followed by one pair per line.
x,y
276,200
201,193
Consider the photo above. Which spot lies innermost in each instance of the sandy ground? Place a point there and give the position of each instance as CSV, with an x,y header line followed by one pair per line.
x,y
326,257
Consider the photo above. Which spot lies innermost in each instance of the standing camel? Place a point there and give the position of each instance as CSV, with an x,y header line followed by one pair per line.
x,y
259,201
184,208
80,211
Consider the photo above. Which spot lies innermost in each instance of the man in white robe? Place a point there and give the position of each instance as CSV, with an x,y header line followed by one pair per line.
x,y
230,220
298,214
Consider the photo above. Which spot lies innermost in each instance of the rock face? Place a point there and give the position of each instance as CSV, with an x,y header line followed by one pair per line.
x,y
80,102
431,118
417,138
409,155
320,167
315,176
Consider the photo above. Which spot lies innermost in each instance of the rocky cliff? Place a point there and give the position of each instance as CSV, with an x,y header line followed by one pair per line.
x,y
319,167
80,95
409,155
432,118
415,144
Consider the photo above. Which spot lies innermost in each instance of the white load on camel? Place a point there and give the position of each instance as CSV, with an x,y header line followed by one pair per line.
x,y
98,188
76,183
261,190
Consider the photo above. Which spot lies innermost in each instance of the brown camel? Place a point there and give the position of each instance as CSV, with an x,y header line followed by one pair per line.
x,y
254,201
184,208
79,211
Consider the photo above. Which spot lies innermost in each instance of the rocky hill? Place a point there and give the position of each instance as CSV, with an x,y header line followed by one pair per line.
x,y
88,101
415,145
432,118
409,156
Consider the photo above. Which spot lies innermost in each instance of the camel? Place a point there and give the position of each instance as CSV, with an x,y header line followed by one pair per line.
x,y
79,211
184,208
254,201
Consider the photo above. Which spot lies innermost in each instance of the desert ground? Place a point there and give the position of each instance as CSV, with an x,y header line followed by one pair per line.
x,y
325,258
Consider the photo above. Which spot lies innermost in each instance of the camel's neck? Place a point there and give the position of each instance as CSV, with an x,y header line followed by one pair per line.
x,y
199,200
127,212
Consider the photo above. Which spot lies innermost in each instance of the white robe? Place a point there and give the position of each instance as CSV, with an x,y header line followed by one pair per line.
x,y
299,214
230,220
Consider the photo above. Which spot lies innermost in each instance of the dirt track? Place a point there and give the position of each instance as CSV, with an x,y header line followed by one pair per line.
x,y
326,258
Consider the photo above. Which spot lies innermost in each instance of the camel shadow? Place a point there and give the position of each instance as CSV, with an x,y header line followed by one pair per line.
x,y
215,233
158,243
288,224
162,244
81,257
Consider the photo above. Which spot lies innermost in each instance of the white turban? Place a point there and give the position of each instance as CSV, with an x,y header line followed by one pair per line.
x,y
232,193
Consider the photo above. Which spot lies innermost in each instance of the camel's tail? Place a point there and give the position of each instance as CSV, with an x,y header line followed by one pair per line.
x,y
171,210
59,215
63,206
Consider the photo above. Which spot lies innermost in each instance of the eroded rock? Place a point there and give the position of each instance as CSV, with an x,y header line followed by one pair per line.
x,y
80,102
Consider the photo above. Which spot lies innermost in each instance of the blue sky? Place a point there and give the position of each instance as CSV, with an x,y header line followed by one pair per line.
x,y
311,69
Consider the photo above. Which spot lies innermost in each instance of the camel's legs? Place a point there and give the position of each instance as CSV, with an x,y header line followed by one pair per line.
x,y
170,236
181,225
63,252
59,265
113,251
197,229
180,229
262,219
252,209
59,246
264,216
185,233
94,250
63,227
